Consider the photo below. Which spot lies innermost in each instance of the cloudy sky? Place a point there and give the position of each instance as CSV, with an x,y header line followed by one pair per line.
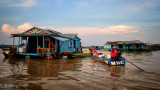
x,y
95,21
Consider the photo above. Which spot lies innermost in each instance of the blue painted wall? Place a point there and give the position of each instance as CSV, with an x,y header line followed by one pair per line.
x,y
70,49
56,45
61,46
65,46
77,43
76,38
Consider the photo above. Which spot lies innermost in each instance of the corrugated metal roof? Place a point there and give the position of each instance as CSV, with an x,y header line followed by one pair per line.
x,y
133,42
60,38
125,42
70,36
26,35
156,45
114,42
53,31
35,31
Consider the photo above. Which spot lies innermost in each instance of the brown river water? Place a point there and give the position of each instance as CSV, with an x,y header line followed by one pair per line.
x,y
81,73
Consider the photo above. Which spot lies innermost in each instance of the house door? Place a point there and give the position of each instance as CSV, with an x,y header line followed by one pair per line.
x,y
74,44
32,45
58,46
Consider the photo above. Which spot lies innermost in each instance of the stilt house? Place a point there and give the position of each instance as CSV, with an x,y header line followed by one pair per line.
x,y
40,42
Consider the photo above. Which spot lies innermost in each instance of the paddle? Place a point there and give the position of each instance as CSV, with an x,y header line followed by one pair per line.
x,y
135,65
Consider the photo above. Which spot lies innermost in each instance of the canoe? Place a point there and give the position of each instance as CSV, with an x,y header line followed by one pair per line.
x,y
119,62
78,54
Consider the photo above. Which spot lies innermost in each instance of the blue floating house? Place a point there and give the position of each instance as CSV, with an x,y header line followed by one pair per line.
x,y
40,42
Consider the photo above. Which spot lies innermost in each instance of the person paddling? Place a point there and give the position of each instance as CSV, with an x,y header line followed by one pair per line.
x,y
94,52
91,49
113,53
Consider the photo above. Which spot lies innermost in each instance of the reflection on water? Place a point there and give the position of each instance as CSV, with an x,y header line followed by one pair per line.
x,y
19,68
81,73
117,71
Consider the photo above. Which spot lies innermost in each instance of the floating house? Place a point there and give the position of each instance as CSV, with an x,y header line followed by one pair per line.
x,y
135,45
99,47
109,45
156,47
127,45
41,42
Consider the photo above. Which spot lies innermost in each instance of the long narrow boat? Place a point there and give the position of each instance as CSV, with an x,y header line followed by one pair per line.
x,y
83,53
120,61
72,55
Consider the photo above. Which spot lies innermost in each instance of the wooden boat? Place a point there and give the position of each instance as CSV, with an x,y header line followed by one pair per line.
x,y
72,55
5,54
120,61
80,54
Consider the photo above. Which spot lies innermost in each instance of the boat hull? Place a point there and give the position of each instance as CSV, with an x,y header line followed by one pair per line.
x,y
79,54
119,62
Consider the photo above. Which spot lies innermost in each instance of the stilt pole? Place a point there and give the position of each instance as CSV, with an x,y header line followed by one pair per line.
x,y
37,44
18,44
13,41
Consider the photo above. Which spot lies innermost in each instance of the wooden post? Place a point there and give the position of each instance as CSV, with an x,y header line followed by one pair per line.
x,y
55,45
43,41
13,41
63,46
26,43
68,44
21,40
37,44
18,44
50,45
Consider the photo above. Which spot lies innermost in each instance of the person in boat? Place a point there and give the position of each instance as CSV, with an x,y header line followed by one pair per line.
x,y
94,52
77,50
114,53
91,50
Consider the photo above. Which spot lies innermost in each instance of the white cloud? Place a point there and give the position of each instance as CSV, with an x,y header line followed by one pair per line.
x,y
122,30
142,6
117,29
89,35
19,3
8,29
128,36
25,26
82,31
148,5
99,35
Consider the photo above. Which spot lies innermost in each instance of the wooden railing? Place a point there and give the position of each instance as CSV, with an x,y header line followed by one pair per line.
x,y
40,50
46,50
